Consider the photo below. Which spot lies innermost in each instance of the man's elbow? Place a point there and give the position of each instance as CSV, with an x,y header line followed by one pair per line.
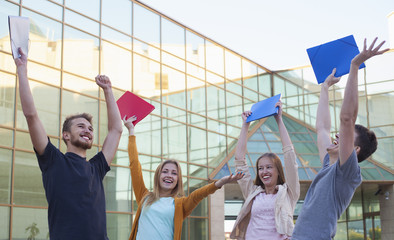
x,y
348,119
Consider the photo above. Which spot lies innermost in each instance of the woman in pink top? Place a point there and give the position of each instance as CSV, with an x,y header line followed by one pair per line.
x,y
271,198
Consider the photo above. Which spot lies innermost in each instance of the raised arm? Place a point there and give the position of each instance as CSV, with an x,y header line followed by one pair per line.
x,y
323,118
291,167
349,108
246,183
36,128
111,142
135,167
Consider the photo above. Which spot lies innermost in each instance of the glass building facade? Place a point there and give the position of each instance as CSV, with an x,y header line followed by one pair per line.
x,y
199,89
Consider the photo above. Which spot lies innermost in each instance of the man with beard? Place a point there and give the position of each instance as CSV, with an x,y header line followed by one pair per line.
x,y
333,187
73,185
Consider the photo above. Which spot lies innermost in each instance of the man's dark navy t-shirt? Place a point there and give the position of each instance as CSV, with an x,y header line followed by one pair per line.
x,y
75,194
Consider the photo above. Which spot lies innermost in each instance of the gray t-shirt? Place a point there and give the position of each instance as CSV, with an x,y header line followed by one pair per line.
x,y
327,198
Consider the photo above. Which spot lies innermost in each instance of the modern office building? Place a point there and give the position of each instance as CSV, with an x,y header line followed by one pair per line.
x,y
199,89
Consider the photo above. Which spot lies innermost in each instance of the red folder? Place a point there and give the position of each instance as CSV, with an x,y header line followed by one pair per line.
x,y
130,105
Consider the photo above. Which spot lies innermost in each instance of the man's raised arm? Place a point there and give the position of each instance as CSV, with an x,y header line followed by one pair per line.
x,y
36,129
111,142
323,118
349,108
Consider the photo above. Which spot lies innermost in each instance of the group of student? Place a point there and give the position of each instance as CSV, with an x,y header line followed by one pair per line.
x,y
75,193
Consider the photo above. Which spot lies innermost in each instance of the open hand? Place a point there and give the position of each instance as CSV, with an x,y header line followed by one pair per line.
x,y
229,179
368,53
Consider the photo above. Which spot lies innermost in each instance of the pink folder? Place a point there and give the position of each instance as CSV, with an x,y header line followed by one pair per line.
x,y
130,104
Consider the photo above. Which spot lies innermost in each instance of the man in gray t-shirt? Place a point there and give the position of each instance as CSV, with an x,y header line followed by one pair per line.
x,y
333,187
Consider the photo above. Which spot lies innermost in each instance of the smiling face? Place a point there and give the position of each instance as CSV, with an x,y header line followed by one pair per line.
x,y
267,171
333,148
168,178
80,134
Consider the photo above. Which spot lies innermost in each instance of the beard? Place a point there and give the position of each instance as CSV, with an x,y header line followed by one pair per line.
x,y
80,144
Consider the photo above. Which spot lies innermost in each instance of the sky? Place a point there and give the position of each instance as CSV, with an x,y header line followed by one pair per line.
x,y
276,34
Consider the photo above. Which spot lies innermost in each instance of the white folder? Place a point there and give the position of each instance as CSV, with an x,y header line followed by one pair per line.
x,y
19,34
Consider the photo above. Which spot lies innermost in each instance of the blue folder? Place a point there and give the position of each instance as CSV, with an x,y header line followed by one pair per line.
x,y
335,54
264,108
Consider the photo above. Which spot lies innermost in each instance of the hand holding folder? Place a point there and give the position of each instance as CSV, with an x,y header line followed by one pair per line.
x,y
335,54
19,28
264,108
130,105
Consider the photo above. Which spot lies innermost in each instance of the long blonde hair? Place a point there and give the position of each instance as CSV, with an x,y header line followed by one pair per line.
x,y
153,196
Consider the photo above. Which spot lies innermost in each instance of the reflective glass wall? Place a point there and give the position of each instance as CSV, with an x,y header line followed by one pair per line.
x,y
198,88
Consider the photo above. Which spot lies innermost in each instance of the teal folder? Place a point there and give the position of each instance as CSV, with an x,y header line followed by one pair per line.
x,y
264,108
335,54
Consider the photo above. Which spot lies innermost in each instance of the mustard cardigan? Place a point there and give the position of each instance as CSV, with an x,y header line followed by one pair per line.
x,y
183,205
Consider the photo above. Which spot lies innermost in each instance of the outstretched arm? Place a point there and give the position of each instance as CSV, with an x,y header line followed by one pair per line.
x,y
36,129
323,118
135,167
291,167
240,150
111,142
349,108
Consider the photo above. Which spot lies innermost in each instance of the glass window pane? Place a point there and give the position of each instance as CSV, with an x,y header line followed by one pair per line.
x,y
81,53
174,89
215,79
146,77
28,189
195,71
30,223
198,171
265,84
44,74
48,111
46,45
215,58
7,137
117,187
234,109
74,103
279,86
216,149
5,219
197,120
148,135
172,38
82,22
118,71
249,70
195,49
215,102
6,10
355,209
46,7
173,61
116,37
197,147
146,25
118,225
342,232
196,95
174,113
355,229
199,229
7,98
5,176
174,136
234,87
117,14
233,66
91,8
79,84
146,50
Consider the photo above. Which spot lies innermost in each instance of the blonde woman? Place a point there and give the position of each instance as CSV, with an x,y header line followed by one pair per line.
x,y
161,212
271,198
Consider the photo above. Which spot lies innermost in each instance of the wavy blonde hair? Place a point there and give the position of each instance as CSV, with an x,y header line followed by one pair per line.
x,y
153,196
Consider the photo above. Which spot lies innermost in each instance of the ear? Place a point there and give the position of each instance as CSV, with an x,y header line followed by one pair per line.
x,y
66,136
357,149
